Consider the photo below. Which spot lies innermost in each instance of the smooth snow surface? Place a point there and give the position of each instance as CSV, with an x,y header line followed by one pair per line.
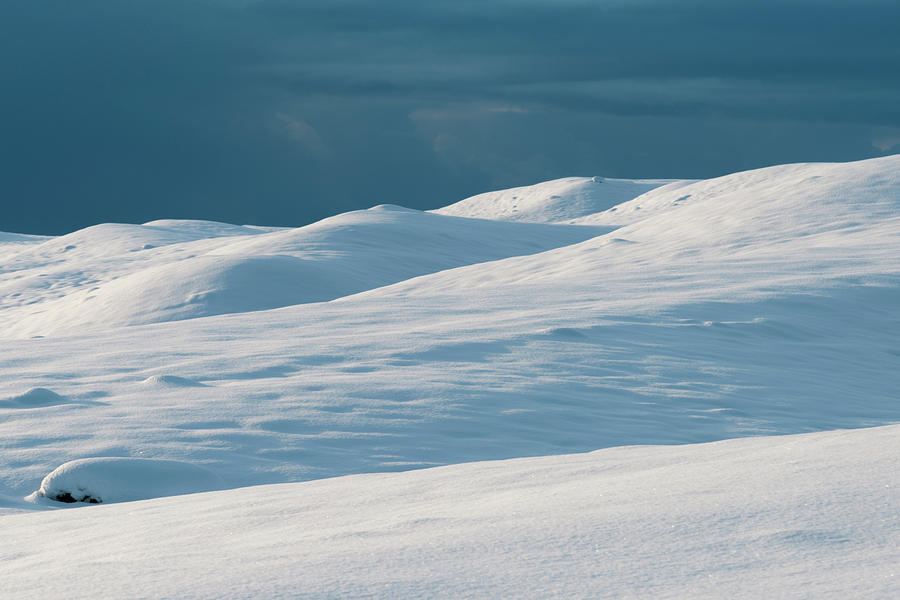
x,y
759,303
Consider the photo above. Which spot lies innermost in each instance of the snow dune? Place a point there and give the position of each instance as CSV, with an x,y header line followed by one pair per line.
x,y
386,340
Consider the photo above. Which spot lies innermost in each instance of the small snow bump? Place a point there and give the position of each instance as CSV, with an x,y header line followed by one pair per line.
x,y
172,381
33,398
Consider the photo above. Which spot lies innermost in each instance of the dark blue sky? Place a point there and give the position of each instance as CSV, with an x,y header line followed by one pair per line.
x,y
283,111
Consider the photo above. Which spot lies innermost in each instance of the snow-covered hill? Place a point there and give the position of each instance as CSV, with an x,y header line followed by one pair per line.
x,y
114,275
758,303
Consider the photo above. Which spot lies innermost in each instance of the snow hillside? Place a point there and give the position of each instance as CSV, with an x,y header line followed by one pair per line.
x,y
115,275
182,357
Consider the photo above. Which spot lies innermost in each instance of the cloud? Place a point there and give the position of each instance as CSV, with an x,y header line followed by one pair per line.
x,y
887,139
304,133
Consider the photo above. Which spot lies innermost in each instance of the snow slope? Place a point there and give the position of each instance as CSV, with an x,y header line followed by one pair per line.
x,y
759,303
806,516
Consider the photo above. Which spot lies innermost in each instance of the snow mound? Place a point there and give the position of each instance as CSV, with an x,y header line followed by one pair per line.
x,y
553,201
108,479
33,398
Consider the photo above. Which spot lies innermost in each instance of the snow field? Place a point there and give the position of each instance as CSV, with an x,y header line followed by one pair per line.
x,y
142,361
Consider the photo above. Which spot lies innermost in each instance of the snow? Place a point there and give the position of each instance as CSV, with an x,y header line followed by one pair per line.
x,y
716,338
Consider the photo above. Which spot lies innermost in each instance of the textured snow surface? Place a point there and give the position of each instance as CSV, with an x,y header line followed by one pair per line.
x,y
806,516
759,303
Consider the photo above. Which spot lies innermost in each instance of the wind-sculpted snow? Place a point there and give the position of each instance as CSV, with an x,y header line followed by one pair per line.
x,y
759,303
